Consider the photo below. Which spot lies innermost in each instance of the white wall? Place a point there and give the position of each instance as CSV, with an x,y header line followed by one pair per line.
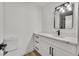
x,y
1,25
21,20
48,21
32,22
1,22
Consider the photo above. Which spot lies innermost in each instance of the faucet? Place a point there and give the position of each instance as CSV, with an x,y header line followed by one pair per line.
x,y
58,31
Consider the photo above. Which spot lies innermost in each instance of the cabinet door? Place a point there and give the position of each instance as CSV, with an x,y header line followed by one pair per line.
x,y
60,52
71,48
44,48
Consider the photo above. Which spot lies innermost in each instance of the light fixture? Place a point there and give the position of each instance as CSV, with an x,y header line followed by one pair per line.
x,y
62,10
69,7
66,4
57,9
64,7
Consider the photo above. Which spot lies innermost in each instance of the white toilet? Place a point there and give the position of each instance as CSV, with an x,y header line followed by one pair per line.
x,y
11,46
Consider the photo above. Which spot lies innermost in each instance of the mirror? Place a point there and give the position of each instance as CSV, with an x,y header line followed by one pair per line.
x,y
63,16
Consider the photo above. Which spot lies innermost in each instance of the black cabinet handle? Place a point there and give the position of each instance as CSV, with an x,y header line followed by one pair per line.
x,y
50,50
37,48
37,36
36,41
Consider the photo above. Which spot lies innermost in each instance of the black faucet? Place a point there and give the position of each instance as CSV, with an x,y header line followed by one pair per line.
x,y
58,32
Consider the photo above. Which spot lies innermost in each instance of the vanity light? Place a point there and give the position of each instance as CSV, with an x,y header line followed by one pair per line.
x,y
66,4
64,7
62,10
69,8
57,9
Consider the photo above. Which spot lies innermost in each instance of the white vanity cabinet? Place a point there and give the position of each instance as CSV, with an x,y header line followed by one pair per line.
x,y
61,48
60,52
42,45
47,46
66,47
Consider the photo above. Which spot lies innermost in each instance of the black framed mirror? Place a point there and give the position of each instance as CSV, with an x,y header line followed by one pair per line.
x,y
63,16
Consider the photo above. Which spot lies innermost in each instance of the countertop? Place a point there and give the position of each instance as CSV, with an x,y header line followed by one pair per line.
x,y
70,40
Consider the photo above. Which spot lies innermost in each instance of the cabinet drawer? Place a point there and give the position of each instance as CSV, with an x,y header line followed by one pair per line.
x,y
36,39
41,38
45,39
36,36
36,43
66,46
36,48
42,46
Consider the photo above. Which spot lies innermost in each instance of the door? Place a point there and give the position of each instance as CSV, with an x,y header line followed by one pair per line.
x,y
44,48
1,26
59,52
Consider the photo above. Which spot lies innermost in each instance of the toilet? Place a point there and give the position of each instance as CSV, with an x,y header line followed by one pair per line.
x,y
11,47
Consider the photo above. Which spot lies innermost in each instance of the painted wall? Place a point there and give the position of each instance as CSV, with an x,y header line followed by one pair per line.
x,y
1,22
32,23
1,25
48,21
21,20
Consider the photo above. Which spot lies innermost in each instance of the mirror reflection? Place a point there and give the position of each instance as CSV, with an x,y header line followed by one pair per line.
x,y
63,16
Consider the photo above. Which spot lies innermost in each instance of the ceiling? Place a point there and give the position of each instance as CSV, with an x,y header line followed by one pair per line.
x,y
41,4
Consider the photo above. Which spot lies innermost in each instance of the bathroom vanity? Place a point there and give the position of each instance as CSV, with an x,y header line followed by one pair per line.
x,y
61,44
54,26
48,45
